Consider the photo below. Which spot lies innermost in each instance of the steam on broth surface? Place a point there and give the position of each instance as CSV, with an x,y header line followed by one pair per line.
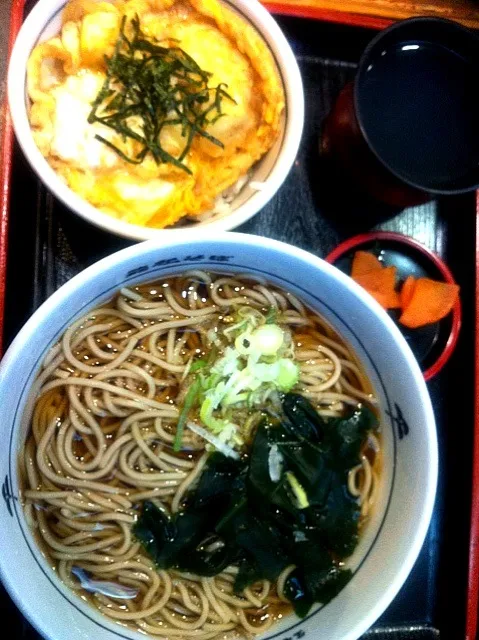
x,y
203,454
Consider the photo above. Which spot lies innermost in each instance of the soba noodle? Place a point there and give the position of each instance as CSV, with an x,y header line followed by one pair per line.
x,y
101,439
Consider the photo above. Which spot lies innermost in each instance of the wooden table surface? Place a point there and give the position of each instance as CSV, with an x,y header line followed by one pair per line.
x,y
380,12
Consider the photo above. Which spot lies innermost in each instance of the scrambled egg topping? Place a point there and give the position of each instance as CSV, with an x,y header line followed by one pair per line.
x,y
67,72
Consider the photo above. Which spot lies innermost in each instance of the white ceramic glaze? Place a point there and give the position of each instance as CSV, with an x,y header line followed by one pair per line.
x,y
393,537
44,21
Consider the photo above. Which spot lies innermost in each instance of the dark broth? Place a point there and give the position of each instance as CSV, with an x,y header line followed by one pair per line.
x,y
418,105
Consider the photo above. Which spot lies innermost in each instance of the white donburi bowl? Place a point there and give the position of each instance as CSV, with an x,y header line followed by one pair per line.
x,y
44,22
393,537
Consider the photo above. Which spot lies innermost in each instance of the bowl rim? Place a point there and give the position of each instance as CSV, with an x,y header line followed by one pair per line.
x,y
441,266
419,525
253,12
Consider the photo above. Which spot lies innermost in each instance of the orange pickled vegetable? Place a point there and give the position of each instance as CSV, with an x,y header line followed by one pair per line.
x,y
407,291
364,262
380,283
431,301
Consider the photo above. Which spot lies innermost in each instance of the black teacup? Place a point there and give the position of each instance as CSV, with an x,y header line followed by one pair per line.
x,y
408,126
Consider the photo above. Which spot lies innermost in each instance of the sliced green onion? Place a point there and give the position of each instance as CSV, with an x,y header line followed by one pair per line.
x,y
243,343
235,327
228,363
271,315
288,374
197,365
302,501
209,382
268,339
224,429
207,418
190,399
214,440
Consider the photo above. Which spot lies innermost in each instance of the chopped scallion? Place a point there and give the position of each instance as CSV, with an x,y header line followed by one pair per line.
x,y
190,399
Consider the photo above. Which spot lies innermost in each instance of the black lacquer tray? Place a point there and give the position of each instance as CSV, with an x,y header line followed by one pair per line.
x,y
47,245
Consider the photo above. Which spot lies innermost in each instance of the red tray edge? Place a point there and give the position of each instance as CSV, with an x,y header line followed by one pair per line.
x,y
328,15
473,581
6,150
6,167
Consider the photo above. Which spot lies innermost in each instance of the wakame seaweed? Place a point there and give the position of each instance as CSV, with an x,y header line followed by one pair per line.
x,y
238,515
159,86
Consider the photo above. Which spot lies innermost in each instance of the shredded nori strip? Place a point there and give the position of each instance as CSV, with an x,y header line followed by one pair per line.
x,y
162,86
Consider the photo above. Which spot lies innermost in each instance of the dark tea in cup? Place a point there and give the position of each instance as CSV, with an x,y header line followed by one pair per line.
x,y
408,126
